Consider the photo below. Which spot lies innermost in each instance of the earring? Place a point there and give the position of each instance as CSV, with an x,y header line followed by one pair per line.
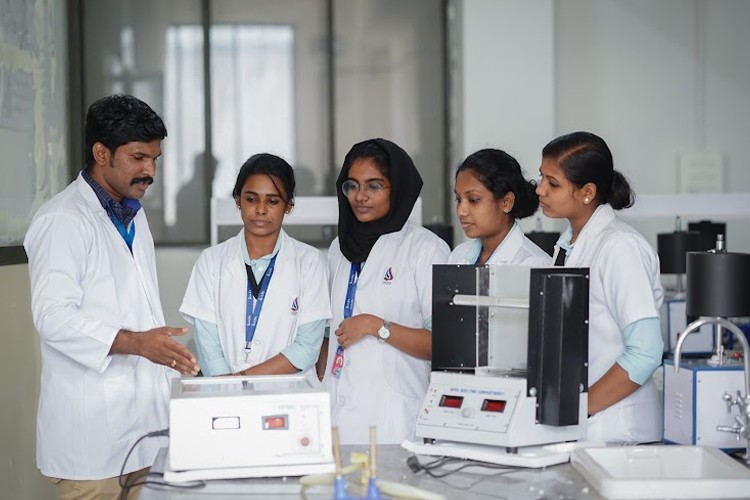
x,y
505,210
586,200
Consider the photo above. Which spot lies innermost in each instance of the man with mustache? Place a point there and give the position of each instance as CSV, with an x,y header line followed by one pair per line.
x,y
107,357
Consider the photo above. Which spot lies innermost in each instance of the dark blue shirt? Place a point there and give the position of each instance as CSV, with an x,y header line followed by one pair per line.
x,y
124,210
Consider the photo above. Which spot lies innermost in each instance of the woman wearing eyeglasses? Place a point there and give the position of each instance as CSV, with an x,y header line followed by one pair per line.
x,y
259,301
380,346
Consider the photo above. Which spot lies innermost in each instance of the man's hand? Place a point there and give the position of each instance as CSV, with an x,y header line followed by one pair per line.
x,y
157,346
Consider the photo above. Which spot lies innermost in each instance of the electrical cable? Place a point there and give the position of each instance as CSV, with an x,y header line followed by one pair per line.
x,y
125,487
416,466
162,484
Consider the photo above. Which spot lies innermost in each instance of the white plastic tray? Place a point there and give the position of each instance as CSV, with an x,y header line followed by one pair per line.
x,y
642,472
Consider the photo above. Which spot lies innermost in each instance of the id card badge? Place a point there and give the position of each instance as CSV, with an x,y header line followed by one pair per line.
x,y
338,362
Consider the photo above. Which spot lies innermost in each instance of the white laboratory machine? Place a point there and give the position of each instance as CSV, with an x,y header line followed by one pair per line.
x,y
255,426
509,361
673,319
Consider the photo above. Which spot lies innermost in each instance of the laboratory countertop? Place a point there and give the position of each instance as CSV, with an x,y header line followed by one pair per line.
x,y
556,482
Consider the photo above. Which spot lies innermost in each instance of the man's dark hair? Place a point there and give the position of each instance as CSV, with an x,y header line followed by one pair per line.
x,y
119,119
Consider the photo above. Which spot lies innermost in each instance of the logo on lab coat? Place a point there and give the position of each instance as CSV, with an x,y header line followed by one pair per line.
x,y
388,277
295,305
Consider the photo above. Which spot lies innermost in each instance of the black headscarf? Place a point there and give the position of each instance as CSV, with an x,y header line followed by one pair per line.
x,y
357,238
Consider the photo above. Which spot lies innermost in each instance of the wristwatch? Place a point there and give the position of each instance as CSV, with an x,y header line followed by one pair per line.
x,y
384,332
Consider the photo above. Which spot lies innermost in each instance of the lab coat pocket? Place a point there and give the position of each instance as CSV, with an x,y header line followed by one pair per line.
x,y
404,374
119,399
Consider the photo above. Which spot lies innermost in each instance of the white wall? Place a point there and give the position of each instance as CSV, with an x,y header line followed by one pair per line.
x,y
507,82
174,265
655,79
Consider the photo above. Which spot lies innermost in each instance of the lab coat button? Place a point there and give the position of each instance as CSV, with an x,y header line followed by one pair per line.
x,y
341,400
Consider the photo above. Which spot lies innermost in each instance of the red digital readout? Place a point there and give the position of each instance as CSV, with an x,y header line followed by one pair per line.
x,y
451,401
495,405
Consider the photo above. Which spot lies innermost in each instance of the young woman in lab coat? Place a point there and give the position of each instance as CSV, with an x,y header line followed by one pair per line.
x,y
491,193
259,301
579,183
380,346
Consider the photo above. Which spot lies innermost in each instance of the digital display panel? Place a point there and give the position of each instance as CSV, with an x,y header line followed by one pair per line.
x,y
493,405
451,401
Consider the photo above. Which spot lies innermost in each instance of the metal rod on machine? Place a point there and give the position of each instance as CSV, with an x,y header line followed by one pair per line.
x,y
483,301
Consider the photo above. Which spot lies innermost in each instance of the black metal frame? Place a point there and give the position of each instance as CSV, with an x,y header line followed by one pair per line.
x,y
557,367
456,343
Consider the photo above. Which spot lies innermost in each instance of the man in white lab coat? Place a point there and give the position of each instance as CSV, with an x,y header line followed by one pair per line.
x,y
106,355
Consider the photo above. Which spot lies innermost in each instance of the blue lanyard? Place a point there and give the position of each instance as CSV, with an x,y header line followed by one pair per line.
x,y
127,234
351,289
254,306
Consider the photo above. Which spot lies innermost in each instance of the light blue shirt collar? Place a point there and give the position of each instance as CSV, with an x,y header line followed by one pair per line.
x,y
260,264
564,240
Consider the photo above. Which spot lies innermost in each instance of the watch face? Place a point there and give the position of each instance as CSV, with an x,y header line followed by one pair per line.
x,y
384,332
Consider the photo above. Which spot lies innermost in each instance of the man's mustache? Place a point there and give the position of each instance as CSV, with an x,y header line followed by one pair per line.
x,y
138,180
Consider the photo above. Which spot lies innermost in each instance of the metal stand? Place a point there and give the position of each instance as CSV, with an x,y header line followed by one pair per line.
x,y
740,428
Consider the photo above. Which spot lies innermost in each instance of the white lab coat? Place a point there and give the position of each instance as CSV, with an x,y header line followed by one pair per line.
x,y
380,384
297,294
85,287
625,287
515,249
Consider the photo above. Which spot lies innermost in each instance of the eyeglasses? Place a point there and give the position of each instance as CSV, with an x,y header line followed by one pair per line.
x,y
373,188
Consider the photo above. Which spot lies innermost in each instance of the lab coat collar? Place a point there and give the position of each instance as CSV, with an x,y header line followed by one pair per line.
x,y
88,195
91,200
505,251
246,252
396,235
238,251
600,219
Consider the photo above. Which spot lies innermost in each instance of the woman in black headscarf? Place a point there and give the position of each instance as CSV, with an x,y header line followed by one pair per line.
x,y
378,356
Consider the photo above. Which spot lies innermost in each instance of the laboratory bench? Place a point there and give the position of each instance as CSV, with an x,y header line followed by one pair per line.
x,y
556,482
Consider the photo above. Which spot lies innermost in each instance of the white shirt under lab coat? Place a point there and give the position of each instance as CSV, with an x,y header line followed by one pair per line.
x,y
297,294
515,249
625,287
380,384
85,287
